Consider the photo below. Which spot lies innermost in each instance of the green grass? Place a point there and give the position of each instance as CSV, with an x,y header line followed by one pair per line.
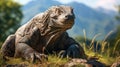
x,y
53,61
102,58
2,61
103,55
106,54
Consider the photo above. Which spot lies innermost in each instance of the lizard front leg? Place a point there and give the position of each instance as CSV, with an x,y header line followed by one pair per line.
x,y
29,46
8,47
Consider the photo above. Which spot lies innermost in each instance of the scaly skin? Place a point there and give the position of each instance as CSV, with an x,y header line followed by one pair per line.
x,y
43,34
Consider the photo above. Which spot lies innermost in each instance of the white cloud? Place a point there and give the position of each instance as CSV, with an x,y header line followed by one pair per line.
x,y
107,4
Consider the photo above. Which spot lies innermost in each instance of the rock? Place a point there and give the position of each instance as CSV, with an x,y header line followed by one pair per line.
x,y
84,63
116,64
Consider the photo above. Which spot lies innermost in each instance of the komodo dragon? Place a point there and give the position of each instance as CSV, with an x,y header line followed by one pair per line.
x,y
43,34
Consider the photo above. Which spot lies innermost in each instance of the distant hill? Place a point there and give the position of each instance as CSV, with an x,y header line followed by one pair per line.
x,y
92,20
107,11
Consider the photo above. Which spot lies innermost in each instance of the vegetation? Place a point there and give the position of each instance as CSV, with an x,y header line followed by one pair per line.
x,y
101,50
114,39
106,51
10,17
93,49
53,61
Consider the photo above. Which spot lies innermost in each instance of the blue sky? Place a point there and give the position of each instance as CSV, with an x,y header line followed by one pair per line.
x,y
107,4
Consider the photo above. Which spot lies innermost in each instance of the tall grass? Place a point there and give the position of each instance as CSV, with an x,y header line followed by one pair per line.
x,y
115,46
105,46
105,53
93,40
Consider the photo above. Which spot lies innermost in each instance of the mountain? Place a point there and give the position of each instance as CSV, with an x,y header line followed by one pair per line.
x,y
34,7
89,19
111,13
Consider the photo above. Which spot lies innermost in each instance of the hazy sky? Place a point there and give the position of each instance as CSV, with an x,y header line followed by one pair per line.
x,y
107,4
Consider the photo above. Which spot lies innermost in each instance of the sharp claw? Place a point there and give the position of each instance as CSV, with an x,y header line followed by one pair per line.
x,y
33,58
62,54
38,58
68,54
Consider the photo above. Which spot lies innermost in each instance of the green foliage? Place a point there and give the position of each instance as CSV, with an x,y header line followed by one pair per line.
x,y
115,40
2,61
107,52
80,39
10,17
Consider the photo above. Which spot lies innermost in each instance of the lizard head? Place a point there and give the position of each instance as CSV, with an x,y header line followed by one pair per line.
x,y
61,17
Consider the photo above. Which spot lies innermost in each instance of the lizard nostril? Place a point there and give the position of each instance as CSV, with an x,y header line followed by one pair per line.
x,y
66,16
